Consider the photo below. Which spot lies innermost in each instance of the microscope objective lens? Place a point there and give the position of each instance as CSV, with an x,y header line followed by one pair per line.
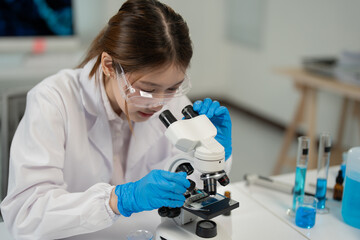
x,y
210,186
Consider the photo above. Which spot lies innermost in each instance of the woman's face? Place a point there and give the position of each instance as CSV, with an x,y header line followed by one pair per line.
x,y
162,80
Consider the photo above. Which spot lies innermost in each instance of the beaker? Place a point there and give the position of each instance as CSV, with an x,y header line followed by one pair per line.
x,y
305,211
140,235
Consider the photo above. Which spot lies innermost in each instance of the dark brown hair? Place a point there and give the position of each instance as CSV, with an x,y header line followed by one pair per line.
x,y
144,34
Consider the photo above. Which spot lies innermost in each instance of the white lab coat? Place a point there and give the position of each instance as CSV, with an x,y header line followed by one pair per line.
x,y
61,159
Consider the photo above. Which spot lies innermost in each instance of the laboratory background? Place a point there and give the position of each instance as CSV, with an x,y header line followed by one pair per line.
x,y
284,69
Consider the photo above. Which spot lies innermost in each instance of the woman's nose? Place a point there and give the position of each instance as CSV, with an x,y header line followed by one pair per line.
x,y
157,108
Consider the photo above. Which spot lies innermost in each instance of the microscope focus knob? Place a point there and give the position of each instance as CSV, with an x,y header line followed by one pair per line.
x,y
174,212
169,212
189,190
192,186
163,211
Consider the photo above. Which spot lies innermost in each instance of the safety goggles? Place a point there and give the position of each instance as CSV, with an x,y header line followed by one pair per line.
x,y
143,99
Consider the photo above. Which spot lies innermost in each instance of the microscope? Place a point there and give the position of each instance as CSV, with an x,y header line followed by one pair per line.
x,y
195,136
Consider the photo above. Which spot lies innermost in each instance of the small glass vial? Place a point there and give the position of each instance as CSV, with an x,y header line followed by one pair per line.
x,y
228,195
339,188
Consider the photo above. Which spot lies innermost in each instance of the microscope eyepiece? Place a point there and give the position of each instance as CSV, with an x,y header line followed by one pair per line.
x,y
185,167
189,112
167,118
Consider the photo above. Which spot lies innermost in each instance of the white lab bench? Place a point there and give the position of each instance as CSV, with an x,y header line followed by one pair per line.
x,y
261,215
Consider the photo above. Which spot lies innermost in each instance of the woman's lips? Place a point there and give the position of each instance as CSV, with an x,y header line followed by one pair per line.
x,y
145,115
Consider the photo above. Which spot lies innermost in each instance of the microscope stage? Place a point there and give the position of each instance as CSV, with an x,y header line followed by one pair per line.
x,y
211,206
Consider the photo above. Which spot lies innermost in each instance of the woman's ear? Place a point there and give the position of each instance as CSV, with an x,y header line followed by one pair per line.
x,y
107,64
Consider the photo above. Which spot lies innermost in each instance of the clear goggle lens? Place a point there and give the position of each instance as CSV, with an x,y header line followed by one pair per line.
x,y
145,99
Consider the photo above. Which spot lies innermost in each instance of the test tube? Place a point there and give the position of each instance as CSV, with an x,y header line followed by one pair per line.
x,y
322,171
301,166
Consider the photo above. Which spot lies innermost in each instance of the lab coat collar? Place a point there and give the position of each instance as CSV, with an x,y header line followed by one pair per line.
x,y
90,89
145,135
99,134
97,123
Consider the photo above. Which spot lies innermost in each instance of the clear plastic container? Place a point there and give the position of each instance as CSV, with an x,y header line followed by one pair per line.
x,y
350,208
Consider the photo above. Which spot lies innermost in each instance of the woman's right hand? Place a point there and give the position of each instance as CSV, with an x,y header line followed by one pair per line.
x,y
157,189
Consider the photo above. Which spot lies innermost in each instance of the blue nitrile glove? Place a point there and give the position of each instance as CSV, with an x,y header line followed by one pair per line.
x,y
157,189
220,117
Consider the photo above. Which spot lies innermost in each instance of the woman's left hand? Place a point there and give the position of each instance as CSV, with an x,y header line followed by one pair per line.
x,y
220,117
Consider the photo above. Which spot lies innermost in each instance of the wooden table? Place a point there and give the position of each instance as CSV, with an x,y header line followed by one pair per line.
x,y
308,84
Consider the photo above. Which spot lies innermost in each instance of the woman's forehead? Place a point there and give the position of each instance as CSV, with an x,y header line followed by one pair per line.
x,y
169,75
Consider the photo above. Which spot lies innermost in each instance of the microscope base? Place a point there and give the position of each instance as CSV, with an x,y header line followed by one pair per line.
x,y
169,230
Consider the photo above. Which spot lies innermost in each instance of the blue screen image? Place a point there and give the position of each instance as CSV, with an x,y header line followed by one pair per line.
x,y
36,18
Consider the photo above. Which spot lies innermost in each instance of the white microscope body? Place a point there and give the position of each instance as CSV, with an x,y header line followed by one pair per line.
x,y
195,136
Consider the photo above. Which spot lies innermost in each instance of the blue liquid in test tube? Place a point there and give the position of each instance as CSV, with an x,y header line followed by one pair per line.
x,y
321,184
322,171
301,166
299,190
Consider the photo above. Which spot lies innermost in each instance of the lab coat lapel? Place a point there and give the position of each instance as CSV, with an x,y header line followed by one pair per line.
x,y
145,135
97,123
99,134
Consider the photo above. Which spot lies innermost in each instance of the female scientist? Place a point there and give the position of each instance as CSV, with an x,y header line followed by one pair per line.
x,y
90,145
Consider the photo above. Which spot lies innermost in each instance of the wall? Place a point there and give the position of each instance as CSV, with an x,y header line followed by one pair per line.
x,y
292,29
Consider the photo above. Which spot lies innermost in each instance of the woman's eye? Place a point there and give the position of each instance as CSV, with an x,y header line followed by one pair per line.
x,y
172,90
148,90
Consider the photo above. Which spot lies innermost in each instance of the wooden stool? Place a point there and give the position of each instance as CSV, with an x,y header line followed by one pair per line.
x,y
308,85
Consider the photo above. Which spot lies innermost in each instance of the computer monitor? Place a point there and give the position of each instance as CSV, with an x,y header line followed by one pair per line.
x,y
37,26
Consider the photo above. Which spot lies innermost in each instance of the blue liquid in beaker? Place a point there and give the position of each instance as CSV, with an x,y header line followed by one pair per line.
x,y
321,192
305,217
299,183
350,207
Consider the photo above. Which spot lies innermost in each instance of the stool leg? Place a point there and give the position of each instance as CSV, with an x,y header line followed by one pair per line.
x,y
336,154
356,113
290,132
312,95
